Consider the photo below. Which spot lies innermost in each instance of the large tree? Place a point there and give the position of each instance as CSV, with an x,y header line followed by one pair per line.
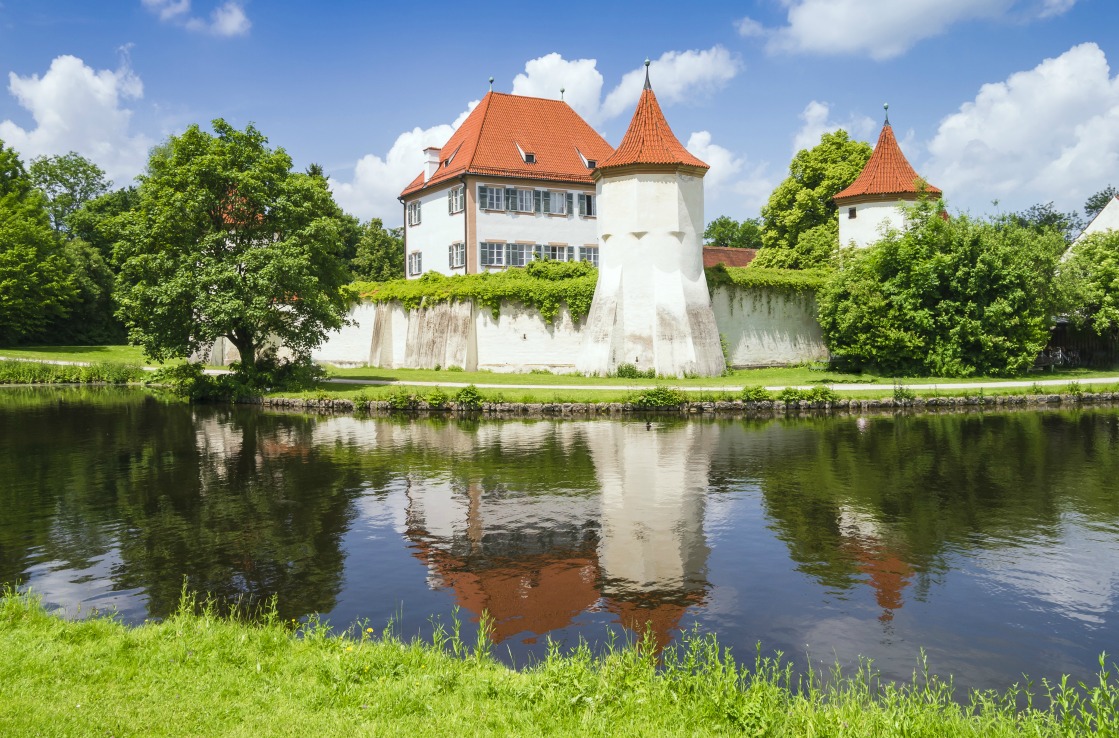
x,y
380,253
35,283
68,181
803,201
726,232
1097,202
227,241
1089,282
944,297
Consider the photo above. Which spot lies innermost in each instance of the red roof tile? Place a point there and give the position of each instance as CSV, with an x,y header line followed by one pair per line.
x,y
887,173
486,143
649,140
713,255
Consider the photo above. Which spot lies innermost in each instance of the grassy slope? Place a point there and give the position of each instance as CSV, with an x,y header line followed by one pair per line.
x,y
200,675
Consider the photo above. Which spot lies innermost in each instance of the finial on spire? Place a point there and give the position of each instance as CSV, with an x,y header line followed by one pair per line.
x,y
647,85
561,93
886,107
491,84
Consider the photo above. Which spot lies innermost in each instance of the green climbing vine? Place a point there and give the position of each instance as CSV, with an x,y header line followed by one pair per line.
x,y
793,280
544,285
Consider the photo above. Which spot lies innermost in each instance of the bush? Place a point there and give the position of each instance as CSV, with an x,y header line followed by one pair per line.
x,y
755,394
37,372
630,371
952,297
437,399
658,397
468,398
401,400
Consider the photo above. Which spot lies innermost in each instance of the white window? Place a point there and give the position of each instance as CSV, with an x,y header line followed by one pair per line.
x,y
559,203
587,205
415,262
414,213
456,255
491,198
491,254
515,254
521,200
589,253
456,200
555,253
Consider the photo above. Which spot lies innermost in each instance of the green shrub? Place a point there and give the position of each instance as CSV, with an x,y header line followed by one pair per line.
x,y
437,399
755,394
468,398
37,372
401,400
791,394
630,371
659,396
903,393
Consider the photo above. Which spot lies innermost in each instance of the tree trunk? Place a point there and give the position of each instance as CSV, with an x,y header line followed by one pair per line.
x,y
243,340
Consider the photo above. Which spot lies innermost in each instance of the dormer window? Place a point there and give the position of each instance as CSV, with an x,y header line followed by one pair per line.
x,y
530,158
591,163
526,157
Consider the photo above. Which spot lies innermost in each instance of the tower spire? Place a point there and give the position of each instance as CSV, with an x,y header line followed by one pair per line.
x,y
886,107
647,85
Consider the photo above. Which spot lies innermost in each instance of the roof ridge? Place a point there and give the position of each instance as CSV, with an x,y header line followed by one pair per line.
x,y
486,99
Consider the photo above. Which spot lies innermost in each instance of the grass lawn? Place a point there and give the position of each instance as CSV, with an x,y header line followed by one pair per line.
x,y
197,674
107,354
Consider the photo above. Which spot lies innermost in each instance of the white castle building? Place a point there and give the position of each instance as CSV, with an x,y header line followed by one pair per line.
x,y
873,203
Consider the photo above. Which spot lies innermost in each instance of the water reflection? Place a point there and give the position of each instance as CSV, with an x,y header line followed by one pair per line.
x,y
990,540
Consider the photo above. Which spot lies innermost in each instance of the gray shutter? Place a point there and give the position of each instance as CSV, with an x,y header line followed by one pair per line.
x,y
537,205
510,198
570,209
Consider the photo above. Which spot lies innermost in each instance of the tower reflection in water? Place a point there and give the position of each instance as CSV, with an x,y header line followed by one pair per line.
x,y
620,528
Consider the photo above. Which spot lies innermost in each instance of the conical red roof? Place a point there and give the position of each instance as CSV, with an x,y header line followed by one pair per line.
x,y
649,140
887,173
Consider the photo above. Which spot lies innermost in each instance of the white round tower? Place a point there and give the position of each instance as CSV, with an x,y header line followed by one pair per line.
x,y
651,305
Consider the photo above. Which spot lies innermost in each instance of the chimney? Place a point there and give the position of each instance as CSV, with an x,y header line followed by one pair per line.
x,y
431,162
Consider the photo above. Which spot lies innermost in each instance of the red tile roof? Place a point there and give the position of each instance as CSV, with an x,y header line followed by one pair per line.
x,y
486,143
887,173
649,140
713,255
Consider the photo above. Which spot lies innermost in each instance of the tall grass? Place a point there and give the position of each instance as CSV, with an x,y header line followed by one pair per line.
x,y
197,673
34,372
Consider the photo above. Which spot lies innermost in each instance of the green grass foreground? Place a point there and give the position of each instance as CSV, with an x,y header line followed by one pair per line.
x,y
199,674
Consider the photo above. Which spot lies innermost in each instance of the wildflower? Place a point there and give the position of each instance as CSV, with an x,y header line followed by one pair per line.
x,y
368,630
349,648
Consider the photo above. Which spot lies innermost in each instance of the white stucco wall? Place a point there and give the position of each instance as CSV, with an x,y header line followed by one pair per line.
x,y
521,340
768,327
1106,220
437,230
350,346
871,221
651,307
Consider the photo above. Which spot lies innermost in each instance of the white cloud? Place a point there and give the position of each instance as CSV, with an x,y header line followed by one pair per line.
x,y
78,109
817,122
750,28
676,76
228,19
732,186
579,78
1050,133
883,29
377,181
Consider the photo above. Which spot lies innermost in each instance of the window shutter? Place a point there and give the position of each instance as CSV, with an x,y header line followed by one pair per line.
x,y
582,203
510,198
569,206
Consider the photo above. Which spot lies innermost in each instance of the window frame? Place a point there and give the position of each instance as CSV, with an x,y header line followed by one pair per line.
x,y
414,213
415,263
488,251
456,255
456,200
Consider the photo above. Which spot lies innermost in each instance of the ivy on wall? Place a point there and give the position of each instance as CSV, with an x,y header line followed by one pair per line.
x,y
544,285
792,280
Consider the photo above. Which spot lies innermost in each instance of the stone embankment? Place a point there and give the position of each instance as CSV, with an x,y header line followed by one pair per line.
x,y
719,408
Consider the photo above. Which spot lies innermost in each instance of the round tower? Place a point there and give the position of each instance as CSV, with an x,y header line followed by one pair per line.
x,y
651,306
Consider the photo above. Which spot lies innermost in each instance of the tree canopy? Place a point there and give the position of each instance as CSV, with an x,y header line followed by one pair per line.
x,y
1089,282
35,284
67,181
726,232
952,297
227,241
803,201
379,255
1097,202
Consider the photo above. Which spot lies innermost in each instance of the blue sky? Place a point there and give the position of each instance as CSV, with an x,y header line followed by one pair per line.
x,y
1007,100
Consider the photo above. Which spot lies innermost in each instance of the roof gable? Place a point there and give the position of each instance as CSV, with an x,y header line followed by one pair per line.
x,y
496,134
649,139
887,172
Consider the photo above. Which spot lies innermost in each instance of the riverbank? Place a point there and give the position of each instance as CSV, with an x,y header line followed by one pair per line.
x,y
199,674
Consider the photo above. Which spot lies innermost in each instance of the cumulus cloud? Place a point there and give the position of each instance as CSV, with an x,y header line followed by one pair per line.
x,y
817,121
76,108
228,19
732,185
377,181
677,76
1049,133
883,29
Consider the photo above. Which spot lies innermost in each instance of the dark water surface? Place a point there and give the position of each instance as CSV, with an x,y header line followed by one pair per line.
x,y
990,540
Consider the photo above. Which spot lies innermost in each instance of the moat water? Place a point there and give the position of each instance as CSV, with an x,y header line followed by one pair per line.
x,y
989,540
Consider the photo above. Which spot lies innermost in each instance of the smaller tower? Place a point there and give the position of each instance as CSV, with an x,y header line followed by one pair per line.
x,y
651,306
873,201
